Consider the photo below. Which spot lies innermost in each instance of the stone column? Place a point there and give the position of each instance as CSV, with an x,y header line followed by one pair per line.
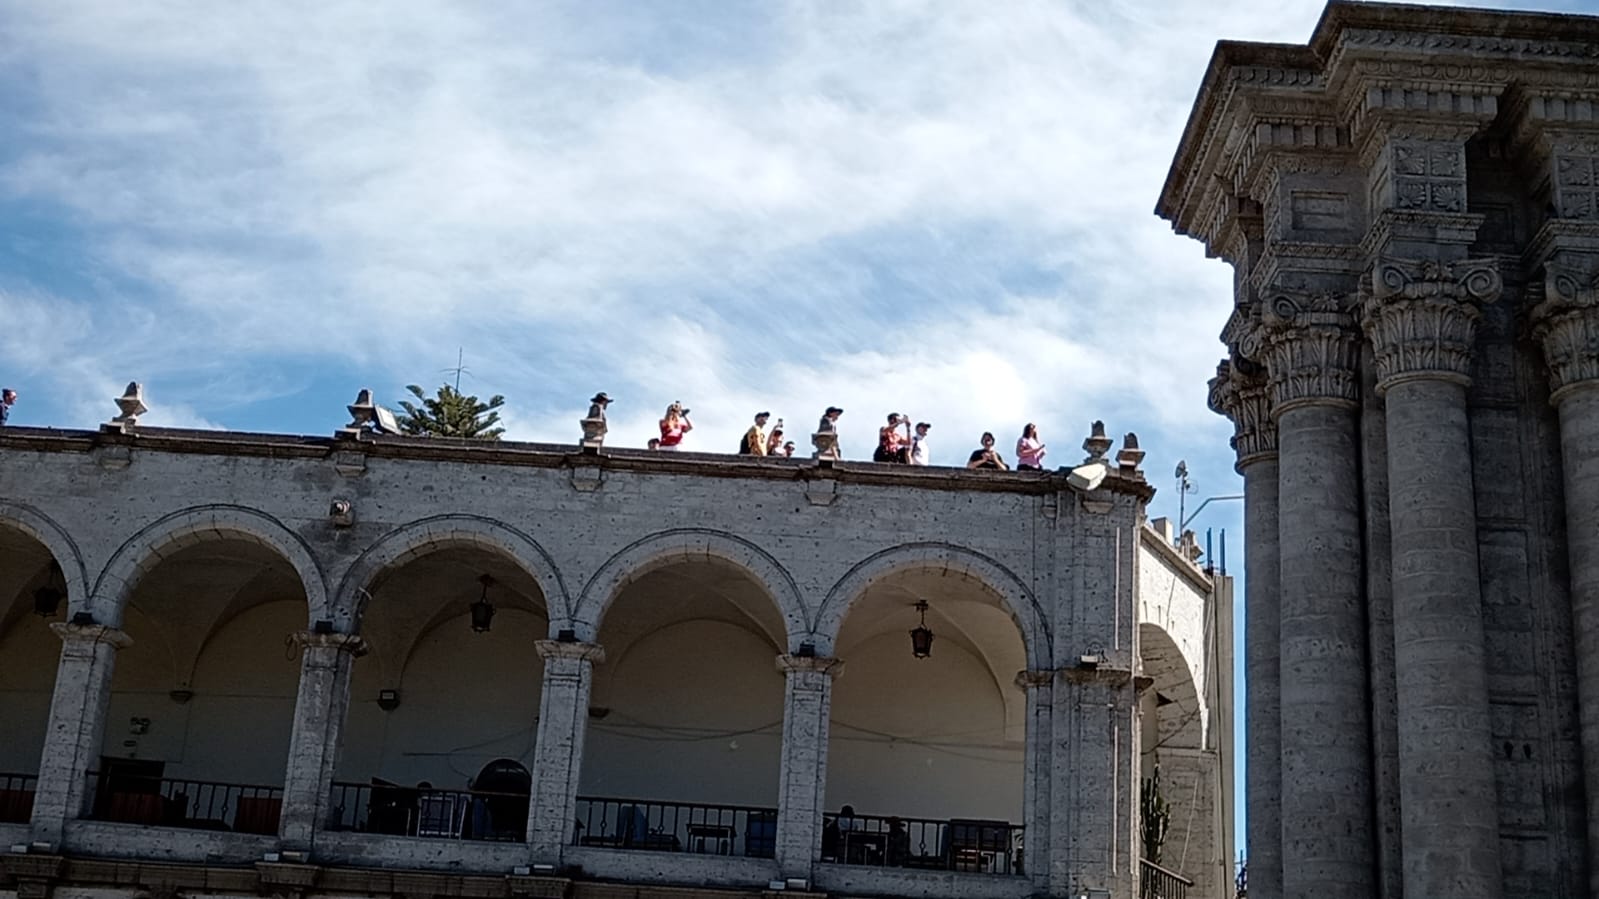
x,y
1566,324
77,724
1240,392
1039,687
558,753
1310,345
1422,321
802,780
320,709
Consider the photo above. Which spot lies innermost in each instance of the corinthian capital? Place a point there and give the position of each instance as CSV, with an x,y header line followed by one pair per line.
x,y
1241,392
1311,348
1422,317
1566,324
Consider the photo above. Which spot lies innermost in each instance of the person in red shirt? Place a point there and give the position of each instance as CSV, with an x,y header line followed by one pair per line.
x,y
674,426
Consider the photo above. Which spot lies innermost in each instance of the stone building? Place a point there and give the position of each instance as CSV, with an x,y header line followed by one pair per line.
x,y
388,666
1410,203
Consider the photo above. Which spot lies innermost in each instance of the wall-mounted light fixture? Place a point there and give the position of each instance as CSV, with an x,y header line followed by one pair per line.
x,y
388,700
483,610
921,635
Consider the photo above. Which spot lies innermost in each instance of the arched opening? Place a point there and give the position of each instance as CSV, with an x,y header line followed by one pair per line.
x,y
444,708
33,593
1172,724
685,726
202,701
926,755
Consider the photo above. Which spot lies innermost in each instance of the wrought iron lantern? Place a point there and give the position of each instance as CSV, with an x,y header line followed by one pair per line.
x,y
47,599
483,610
921,636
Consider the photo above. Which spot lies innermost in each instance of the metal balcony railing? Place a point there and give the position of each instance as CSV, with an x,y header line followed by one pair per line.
x,y
428,812
16,797
1155,882
172,802
954,844
676,826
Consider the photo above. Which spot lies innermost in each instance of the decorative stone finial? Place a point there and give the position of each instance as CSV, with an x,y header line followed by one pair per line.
x,y
593,424
1130,457
131,404
363,412
1096,444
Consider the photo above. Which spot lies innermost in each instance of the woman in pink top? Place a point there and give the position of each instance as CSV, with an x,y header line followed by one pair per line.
x,y
1030,450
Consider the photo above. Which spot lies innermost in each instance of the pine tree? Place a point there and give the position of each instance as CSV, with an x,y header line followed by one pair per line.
x,y
451,414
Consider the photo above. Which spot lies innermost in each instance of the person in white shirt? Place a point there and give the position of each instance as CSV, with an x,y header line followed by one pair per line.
x,y
919,450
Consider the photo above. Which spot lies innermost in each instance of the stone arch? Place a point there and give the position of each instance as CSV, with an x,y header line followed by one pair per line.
x,y
1019,601
689,544
1175,679
60,544
417,538
188,527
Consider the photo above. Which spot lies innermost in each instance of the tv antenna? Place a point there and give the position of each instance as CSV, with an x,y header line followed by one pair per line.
x,y
459,369
1184,487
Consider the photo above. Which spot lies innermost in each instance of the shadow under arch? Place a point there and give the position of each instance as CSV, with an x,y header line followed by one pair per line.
x,y
1018,600
423,536
62,547
679,545
200,524
1181,721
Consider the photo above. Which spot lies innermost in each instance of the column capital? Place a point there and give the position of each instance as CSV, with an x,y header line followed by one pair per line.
x,y
788,662
558,649
91,634
1241,392
1566,324
353,644
1311,349
1421,316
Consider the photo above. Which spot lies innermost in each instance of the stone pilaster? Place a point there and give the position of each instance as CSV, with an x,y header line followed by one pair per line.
x,y
1566,324
1240,392
77,724
558,753
807,703
1040,689
1310,347
320,708
1422,319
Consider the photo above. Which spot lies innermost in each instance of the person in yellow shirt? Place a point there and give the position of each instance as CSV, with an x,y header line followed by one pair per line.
x,y
754,442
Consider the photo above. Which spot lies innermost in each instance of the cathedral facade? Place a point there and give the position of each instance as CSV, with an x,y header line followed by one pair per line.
x,y
1410,203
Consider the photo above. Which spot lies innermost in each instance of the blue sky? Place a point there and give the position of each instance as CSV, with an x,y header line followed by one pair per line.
x,y
940,208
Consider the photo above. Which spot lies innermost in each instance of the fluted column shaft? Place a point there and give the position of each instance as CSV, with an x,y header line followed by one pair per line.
x,y
320,710
558,753
1326,807
807,705
77,724
1566,324
1422,319
1240,392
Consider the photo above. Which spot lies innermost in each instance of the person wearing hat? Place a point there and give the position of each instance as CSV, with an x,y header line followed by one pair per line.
x,y
673,426
919,451
754,440
829,422
598,404
774,443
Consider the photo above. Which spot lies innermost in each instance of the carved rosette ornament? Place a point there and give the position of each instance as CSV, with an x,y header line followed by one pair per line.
x,y
1241,392
1311,347
1566,325
1422,317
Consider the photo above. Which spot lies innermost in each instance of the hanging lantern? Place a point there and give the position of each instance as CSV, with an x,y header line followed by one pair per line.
x,y
47,599
483,610
921,636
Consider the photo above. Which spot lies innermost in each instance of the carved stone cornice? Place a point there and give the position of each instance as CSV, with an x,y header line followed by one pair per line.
x,y
1311,349
90,634
1422,317
790,662
1241,392
562,649
350,643
1566,325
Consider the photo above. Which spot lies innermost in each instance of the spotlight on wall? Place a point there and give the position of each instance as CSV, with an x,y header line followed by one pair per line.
x,y
388,700
47,599
921,636
181,697
83,619
483,610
